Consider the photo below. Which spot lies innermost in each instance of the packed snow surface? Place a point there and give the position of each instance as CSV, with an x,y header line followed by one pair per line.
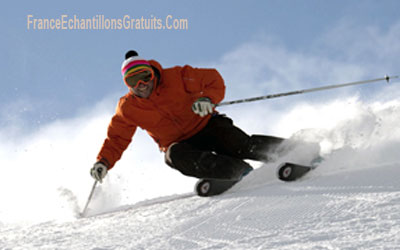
x,y
351,201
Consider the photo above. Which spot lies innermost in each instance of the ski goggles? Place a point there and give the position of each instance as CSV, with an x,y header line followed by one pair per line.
x,y
143,76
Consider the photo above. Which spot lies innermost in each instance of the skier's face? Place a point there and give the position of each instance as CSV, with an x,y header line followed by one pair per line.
x,y
141,83
143,90
142,76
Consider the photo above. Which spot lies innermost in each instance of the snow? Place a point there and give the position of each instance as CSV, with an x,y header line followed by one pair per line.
x,y
351,201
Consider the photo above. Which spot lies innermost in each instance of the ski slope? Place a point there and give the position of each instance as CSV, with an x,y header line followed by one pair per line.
x,y
342,210
351,201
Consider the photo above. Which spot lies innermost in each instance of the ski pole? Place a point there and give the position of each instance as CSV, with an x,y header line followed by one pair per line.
x,y
88,201
385,78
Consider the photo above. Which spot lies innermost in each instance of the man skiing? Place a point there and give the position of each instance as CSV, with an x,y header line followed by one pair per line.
x,y
176,106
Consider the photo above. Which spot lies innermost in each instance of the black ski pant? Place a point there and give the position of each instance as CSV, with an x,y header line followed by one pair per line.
x,y
218,151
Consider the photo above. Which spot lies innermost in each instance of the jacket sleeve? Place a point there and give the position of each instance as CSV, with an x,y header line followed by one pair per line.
x,y
203,82
119,136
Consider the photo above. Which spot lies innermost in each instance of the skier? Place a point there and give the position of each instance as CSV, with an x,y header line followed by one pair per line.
x,y
176,106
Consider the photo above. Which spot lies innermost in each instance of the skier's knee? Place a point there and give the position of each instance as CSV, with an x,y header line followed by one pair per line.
x,y
184,158
167,156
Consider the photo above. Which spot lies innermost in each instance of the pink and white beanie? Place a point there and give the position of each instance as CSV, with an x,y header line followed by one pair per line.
x,y
133,63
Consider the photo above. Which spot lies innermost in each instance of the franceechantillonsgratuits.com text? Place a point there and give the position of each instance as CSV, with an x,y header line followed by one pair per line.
x,y
101,22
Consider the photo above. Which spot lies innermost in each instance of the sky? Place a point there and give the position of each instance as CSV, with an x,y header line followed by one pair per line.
x,y
53,74
59,88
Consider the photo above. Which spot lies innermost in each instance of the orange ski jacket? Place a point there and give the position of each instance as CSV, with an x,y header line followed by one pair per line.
x,y
167,114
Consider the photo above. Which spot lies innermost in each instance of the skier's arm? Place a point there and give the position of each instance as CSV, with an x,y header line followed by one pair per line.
x,y
119,135
204,83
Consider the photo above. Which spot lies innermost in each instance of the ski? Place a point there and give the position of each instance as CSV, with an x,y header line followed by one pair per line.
x,y
289,171
212,187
